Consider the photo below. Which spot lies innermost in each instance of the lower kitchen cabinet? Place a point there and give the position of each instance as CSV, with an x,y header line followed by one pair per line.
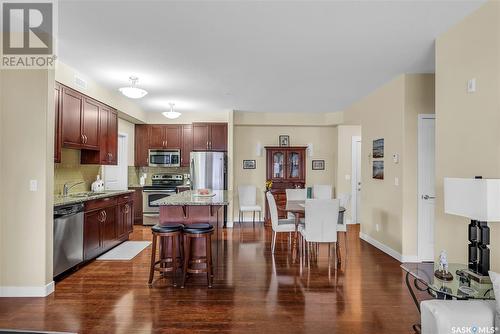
x,y
107,223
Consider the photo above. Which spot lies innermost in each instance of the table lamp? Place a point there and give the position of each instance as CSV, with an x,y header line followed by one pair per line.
x,y
479,200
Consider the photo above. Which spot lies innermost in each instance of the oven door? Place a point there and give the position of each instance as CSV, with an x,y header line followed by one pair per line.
x,y
151,212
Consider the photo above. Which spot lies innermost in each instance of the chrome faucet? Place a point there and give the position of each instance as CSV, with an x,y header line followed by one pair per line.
x,y
67,187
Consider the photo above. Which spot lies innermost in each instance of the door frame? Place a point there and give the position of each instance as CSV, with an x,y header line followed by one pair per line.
x,y
125,136
355,160
420,178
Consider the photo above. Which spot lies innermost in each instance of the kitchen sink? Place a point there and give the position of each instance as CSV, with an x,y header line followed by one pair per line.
x,y
82,195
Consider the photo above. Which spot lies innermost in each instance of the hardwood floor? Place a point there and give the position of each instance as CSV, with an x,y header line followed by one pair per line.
x,y
253,292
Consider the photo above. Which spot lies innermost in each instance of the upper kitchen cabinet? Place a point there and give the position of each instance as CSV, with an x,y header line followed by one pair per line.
x,y
141,145
164,136
57,125
79,120
84,123
108,133
187,144
210,136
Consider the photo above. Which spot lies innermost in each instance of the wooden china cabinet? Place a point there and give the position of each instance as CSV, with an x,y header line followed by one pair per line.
x,y
286,167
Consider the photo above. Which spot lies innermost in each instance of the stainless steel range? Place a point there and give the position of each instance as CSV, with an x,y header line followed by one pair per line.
x,y
163,185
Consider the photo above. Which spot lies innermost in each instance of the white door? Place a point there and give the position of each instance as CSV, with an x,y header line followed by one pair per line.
x,y
426,187
356,180
116,177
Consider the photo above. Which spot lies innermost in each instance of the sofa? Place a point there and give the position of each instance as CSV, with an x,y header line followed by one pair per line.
x,y
459,316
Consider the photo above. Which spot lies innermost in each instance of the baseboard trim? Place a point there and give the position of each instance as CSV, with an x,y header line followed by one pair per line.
x,y
388,250
27,291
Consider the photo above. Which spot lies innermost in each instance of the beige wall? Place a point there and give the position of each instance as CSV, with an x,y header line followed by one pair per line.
x,y
344,160
246,137
27,127
467,126
391,113
298,119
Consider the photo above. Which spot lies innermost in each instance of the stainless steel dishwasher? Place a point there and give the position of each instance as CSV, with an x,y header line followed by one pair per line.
x,y
68,237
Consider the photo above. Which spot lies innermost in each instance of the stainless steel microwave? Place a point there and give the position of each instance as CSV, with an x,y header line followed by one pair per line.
x,y
164,158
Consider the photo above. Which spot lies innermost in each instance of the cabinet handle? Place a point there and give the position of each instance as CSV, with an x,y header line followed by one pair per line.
x,y
166,143
105,215
127,208
82,138
207,145
102,217
86,139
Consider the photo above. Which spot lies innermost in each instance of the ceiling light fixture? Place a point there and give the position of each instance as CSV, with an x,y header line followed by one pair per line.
x,y
133,92
171,114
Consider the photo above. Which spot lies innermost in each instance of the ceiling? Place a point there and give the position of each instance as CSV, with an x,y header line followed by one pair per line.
x,y
279,56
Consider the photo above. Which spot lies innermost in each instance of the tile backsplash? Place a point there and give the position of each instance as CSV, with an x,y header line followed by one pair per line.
x,y
70,170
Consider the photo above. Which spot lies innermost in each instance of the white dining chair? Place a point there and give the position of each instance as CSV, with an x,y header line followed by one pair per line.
x,y
295,195
278,225
248,201
320,226
322,191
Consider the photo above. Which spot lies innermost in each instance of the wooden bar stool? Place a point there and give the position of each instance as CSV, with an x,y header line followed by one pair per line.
x,y
168,260
196,231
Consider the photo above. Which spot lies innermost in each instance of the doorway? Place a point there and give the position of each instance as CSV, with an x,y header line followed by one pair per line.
x,y
116,177
426,186
356,180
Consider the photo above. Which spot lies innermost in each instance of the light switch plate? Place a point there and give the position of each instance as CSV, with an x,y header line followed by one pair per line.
x,y
396,181
347,177
33,185
471,86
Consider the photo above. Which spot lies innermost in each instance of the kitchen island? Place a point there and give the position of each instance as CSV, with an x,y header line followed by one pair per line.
x,y
188,208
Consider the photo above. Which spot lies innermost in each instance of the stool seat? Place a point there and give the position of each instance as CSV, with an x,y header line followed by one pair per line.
x,y
200,228
168,228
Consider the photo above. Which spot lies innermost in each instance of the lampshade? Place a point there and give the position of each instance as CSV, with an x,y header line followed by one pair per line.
x,y
477,199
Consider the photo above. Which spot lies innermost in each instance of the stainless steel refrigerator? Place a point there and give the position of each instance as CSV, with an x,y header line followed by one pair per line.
x,y
208,170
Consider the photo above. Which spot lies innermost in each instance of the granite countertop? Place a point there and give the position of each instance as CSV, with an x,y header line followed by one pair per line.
x,y
221,197
72,198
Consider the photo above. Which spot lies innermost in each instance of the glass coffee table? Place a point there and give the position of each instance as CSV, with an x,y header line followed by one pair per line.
x,y
461,287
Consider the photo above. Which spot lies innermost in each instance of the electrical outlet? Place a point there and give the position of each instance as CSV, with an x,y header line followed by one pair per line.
x,y
396,181
347,177
471,86
377,227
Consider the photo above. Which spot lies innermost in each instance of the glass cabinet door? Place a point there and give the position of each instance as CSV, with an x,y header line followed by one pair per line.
x,y
294,165
278,165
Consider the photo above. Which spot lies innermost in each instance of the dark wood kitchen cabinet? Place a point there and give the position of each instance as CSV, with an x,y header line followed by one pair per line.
x,y
71,118
86,124
108,145
165,136
107,222
210,136
141,145
90,124
187,144
57,123
79,120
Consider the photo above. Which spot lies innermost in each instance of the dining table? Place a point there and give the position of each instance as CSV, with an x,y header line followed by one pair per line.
x,y
298,208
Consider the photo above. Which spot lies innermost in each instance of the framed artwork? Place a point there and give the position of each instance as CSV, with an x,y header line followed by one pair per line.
x,y
378,148
249,164
318,164
284,140
378,170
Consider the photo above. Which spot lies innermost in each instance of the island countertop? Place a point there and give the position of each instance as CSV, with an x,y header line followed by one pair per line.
x,y
188,198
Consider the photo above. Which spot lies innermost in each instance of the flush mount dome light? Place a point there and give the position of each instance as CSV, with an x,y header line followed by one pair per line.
x,y
133,92
171,114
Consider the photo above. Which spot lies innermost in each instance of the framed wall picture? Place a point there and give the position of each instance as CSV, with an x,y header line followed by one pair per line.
x,y
378,170
378,148
318,164
249,164
284,140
